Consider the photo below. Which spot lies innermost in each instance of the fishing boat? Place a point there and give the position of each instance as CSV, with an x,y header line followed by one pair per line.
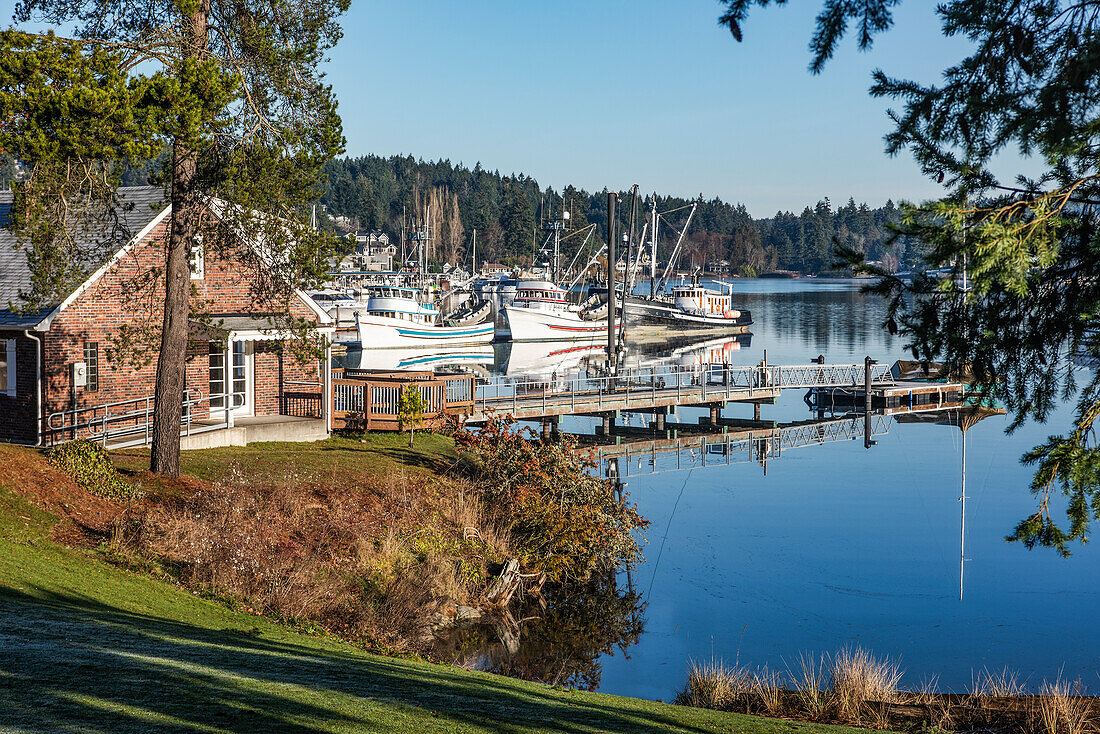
x,y
540,312
689,306
394,316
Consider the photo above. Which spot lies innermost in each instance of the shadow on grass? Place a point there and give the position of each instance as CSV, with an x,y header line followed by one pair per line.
x,y
68,662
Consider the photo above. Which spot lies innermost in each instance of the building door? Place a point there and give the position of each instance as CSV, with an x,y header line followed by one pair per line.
x,y
235,386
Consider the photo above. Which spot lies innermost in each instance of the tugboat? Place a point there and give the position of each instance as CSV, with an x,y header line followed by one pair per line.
x,y
689,307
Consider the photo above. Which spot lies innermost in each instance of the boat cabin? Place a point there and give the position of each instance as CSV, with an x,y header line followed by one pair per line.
x,y
699,300
397,302
540,295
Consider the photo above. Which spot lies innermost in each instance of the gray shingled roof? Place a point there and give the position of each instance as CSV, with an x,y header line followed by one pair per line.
x,y
142,204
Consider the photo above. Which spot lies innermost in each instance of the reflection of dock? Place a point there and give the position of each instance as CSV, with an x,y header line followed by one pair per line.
x,y
682,446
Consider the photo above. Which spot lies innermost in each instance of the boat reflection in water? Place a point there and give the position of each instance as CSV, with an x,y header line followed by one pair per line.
x,y
684,352
439,358
547,359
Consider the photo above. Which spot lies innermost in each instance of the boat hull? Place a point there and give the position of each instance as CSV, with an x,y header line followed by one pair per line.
x,y
531,325
381,332
660,314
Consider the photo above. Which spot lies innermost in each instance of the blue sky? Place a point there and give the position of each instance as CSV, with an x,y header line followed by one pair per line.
x,y
651,92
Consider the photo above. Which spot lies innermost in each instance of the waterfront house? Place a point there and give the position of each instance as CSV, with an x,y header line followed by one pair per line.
x,y
65,371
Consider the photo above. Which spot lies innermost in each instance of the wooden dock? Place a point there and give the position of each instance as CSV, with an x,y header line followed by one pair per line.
x,y
369,400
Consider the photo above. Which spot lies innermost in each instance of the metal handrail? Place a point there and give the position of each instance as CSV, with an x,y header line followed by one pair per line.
x,y
147,400
724,378
142,417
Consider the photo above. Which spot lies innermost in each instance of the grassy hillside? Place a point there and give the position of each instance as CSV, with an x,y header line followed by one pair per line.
x,y
85,646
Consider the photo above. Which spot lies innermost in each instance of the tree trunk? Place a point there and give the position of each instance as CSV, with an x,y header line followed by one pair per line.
x,y
186,211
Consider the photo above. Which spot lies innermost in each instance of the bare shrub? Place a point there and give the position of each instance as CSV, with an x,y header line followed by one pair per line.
x,y
1063,709
370,562
860,681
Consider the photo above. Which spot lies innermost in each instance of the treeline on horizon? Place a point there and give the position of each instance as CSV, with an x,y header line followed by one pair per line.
x,y
509,212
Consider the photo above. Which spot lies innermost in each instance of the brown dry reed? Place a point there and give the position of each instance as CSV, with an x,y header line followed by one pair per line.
x,y
854,686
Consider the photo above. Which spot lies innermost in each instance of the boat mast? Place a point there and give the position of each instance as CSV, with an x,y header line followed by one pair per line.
x,y
473,256
676,250
612,356
653,249
557,226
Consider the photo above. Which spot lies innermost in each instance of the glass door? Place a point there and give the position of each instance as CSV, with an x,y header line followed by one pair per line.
x,y
234,385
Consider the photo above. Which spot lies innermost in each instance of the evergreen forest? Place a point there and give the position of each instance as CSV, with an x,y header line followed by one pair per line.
x,y
510,213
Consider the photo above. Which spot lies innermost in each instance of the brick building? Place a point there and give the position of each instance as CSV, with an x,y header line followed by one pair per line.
x,y
71,368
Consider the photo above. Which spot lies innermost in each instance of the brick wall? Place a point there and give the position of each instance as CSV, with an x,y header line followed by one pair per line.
x,y
19,414
121,300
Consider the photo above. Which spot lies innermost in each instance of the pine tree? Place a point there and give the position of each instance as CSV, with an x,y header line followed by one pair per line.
x,y
1029,246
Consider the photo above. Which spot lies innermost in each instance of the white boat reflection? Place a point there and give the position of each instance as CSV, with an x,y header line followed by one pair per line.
x,y
415,359
720,350
549,359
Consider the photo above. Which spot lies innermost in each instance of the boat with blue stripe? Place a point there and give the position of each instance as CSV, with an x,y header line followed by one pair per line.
x,y
395,317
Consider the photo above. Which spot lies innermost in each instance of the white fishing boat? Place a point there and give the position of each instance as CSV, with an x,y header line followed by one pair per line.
x,y
688,306
540,312
338,304
395,317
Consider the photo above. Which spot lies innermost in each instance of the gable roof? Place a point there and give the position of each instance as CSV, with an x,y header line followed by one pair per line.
x,y
143,205
143,208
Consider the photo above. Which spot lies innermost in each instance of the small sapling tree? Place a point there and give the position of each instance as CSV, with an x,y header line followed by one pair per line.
x,y
410,410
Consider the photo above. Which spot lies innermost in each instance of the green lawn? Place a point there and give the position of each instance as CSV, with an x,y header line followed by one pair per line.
x,y
371,454
87,647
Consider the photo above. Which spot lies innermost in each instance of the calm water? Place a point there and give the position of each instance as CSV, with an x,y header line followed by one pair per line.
x,y
836,544
839,544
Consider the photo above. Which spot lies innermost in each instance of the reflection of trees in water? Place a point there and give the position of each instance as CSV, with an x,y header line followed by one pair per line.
x,y
822,318
563,643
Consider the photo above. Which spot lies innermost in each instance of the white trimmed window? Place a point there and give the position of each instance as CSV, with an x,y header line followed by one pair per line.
x,y
7,367
198,259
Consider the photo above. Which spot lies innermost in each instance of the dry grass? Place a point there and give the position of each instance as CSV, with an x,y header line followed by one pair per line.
x,y
999,684
861,681
1063,710
711,686
809,679
854,686
766,687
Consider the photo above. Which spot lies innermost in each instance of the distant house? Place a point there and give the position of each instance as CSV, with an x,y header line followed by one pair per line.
x,y
495,269
373,253
61,375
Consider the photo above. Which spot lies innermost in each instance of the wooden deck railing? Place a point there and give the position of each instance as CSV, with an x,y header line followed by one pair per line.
x,y
371,400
